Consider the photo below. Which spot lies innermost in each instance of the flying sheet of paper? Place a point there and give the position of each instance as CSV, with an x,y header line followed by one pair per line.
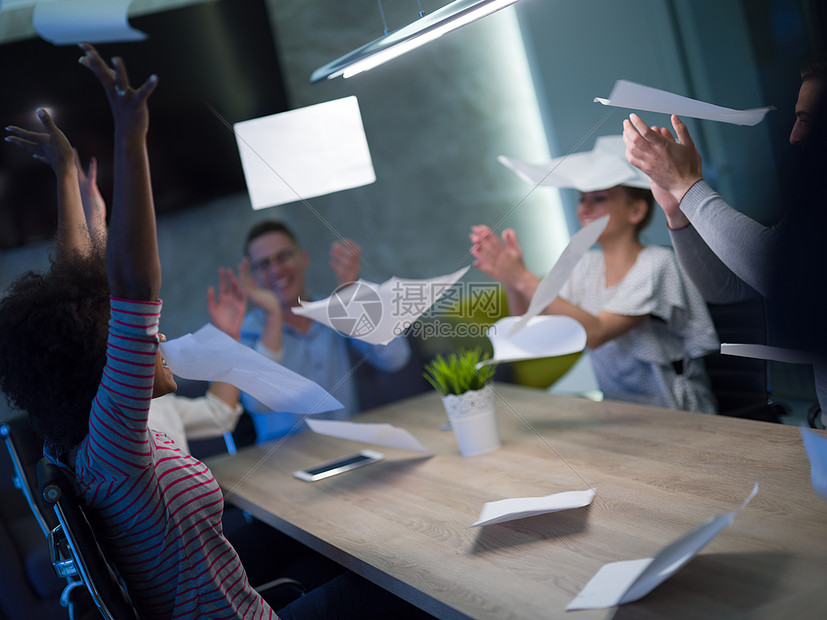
x,y
69,22
14,4
519,508
766,352
627,94
378,313
550,285
601,168
211,355
816,448
299,154
543,336
379,434
623,582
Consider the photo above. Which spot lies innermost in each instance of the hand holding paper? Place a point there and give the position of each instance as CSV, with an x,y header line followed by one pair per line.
x,y
378,313
211,355
550,286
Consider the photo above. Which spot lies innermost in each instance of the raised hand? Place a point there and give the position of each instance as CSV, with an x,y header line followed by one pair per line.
x,y
673,164
259,296
94,206
228,307
345,257
128,104
500,259
51,147
132,263
268,301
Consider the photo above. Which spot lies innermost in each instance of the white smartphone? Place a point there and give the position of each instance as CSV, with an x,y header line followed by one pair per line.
x,y
365,457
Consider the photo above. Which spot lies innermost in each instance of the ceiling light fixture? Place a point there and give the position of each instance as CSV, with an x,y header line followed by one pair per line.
x,y
425,29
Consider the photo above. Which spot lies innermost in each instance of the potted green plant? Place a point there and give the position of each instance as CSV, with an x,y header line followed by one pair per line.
x,y
462,381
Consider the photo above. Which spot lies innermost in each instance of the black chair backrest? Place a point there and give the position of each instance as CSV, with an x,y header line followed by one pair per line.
x,y
90,560
741,384
25,449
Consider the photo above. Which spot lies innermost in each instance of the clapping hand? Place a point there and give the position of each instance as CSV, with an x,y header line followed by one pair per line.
x,y
345,258
500,259
228,306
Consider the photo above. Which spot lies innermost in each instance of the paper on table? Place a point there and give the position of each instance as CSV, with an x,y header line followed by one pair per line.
x,y
302,153
601,168
766,352
623,582
519,508
211,355
379,434
550,286
627,94
72,21
816,448
543,336
378,313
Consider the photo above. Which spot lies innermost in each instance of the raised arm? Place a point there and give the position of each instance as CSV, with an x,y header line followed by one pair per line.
x,y
53,148
133,265
94,206
742,245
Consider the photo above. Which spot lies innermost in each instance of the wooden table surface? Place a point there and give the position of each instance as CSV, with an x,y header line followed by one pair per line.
x,y
403,522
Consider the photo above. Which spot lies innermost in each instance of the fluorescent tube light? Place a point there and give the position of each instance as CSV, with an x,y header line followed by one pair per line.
x,y
426,29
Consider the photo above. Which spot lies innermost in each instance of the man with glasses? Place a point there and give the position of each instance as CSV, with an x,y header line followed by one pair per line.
x,y
273,274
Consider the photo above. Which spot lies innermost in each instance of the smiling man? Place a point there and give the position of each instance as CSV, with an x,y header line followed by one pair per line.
x,y
273,273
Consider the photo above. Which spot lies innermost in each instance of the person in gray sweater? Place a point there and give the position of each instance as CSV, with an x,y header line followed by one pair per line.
x,y
731,257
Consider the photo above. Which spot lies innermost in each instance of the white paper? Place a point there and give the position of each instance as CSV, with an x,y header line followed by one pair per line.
x,y
766,352
636,96
299,154
816,448
379,434
550,286
211,355
378,313
623,582
601,168
69,22
543,336
519,508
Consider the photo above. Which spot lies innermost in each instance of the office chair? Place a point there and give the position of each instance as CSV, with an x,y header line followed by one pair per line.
x,y
30,589
75,550
742,385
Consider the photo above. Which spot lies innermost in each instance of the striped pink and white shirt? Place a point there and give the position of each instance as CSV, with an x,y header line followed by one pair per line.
x,y
156,509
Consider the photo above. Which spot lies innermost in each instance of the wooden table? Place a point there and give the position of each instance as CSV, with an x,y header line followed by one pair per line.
x,y
402,523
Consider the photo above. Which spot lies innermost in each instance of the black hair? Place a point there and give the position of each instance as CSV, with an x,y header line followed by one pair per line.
x,y
53,329
265,227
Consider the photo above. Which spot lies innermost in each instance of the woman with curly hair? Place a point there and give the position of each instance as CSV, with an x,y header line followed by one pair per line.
x,y
80,354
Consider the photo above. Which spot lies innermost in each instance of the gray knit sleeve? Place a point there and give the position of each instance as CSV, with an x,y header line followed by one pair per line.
x,y
741,245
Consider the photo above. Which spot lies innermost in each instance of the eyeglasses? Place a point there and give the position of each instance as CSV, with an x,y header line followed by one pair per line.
x,y
279,258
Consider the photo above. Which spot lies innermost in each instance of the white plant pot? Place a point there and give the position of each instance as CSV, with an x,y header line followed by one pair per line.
x,y
474,421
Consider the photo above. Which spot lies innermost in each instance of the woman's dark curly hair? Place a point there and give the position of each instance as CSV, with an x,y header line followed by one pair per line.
x,y
53,330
